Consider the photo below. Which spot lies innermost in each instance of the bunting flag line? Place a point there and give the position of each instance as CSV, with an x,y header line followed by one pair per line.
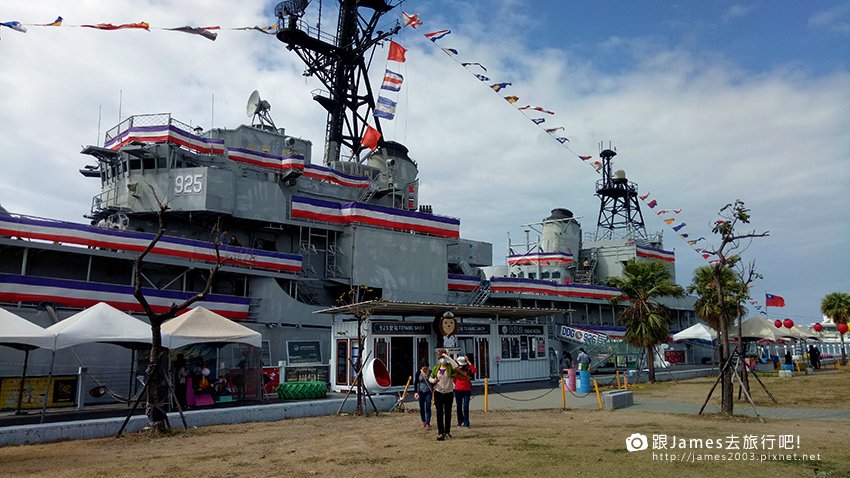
x,y
56,23
512,99
538,120
562,139
434,36
268,30
552,130
385,108
500,86
537,108
449,51
202,31
597,165
643,198
396,52
679,227
371,138
652,204
684,236
468,64
482,77
412,21
392,81
109,26
15,25
585,158
670,221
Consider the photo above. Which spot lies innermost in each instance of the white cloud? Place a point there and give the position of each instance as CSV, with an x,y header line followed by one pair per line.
x,y
694,131
836,19
737,11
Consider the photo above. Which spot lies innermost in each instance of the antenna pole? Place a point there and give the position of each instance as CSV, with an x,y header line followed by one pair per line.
x,y
212,110
120,103
99,111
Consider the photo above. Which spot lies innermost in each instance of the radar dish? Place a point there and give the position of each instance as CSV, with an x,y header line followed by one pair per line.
x,y
619,174
291,8
258,109
253,104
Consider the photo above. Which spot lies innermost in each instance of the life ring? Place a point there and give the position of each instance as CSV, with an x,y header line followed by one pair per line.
x,y
375,375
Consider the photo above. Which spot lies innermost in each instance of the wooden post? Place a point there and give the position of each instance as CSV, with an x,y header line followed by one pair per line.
x,y
486,392
598,396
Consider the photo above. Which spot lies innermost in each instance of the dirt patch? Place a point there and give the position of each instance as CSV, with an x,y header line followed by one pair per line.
x,y
499,444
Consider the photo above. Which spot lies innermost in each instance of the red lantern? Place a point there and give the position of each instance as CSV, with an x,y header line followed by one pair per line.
x,y
818,328
842,328
788,323
777,323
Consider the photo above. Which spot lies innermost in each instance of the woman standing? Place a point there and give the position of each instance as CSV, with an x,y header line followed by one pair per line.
x,y
423,394
463,390
441,377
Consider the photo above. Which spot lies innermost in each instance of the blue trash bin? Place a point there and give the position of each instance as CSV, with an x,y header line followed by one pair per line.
x,y
583,381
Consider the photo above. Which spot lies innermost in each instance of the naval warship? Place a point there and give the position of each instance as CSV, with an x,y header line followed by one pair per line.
x,y
298,231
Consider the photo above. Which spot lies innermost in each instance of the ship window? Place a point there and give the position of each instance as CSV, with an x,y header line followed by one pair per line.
x,y
161,162
532,275
544,275
149,162
520,274
135,163
556,275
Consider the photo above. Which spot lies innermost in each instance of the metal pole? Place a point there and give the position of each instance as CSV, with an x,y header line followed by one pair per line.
x,y
23,378
47,391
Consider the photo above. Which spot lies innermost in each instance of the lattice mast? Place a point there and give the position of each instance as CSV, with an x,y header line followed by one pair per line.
x,y
340,64
619,212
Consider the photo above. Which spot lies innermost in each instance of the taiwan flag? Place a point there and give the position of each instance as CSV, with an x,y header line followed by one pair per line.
x,y
774,300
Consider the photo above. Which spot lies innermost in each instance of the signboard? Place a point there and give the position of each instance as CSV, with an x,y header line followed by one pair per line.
x,y
63,392
271,379
517,329
402,328
308,374
674,356
303,351
581,336
473,329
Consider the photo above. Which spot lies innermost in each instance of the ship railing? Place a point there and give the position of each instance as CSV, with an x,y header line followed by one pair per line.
x,y
108,198
156,119
311,31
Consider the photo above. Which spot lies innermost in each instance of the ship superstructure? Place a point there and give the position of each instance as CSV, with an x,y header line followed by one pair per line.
x,y
299,229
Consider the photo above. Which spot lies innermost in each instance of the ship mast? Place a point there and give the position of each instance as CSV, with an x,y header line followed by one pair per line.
x,y
619,212
340,64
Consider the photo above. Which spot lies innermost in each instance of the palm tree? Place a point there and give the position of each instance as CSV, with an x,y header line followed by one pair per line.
x,y
836,306
707,306
646,321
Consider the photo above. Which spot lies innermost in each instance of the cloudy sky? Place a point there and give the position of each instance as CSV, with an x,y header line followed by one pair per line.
x,y
705,102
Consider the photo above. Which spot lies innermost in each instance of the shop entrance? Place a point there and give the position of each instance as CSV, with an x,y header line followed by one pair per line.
x,y
402,365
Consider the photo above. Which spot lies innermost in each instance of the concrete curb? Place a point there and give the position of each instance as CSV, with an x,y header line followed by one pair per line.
x,y
104,427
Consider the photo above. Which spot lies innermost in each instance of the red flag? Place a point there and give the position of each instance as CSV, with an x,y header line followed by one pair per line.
x,y
109,26
396,52
370,138
774,300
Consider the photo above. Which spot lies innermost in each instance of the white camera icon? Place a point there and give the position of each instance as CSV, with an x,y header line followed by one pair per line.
x,y
636,442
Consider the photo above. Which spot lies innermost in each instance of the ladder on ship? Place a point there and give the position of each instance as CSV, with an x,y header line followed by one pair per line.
x,y
584,274
481,294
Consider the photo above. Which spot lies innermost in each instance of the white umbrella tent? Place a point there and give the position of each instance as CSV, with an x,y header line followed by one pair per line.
x,y
19,333
698,331
200,325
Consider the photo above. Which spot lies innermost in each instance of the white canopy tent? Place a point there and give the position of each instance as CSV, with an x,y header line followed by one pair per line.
x,y
200,325
755,328
698,331
20,333
101,323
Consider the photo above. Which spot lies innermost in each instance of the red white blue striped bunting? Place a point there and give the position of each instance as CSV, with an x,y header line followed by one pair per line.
x,y
72,293
544,259
92,236
534,286
463,283
653,253
166,134
380,216
296,162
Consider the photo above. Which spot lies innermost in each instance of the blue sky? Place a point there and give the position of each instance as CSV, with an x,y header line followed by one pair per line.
x,y
706,102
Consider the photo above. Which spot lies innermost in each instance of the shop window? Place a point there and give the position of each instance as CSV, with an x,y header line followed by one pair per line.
x,y
381,349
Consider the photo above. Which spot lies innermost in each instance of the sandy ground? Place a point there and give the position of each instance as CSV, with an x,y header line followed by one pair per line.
x,y
502,443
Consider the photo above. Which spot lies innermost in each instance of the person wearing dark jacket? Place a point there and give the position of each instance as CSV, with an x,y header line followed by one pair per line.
x,y
422,388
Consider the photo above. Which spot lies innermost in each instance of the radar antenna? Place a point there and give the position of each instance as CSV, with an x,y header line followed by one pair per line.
x,y
258,110
619,211
341,63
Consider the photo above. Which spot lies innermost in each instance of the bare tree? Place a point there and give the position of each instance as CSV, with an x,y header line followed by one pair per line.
x,y
157,369
732,216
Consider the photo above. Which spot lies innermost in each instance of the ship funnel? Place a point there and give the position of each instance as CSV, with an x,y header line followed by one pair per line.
x,y
561,232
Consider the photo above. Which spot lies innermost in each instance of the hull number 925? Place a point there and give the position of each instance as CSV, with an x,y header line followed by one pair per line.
x,y
188,183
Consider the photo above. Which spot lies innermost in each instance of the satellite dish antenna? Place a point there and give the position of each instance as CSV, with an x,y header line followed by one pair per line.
x,y
258,110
